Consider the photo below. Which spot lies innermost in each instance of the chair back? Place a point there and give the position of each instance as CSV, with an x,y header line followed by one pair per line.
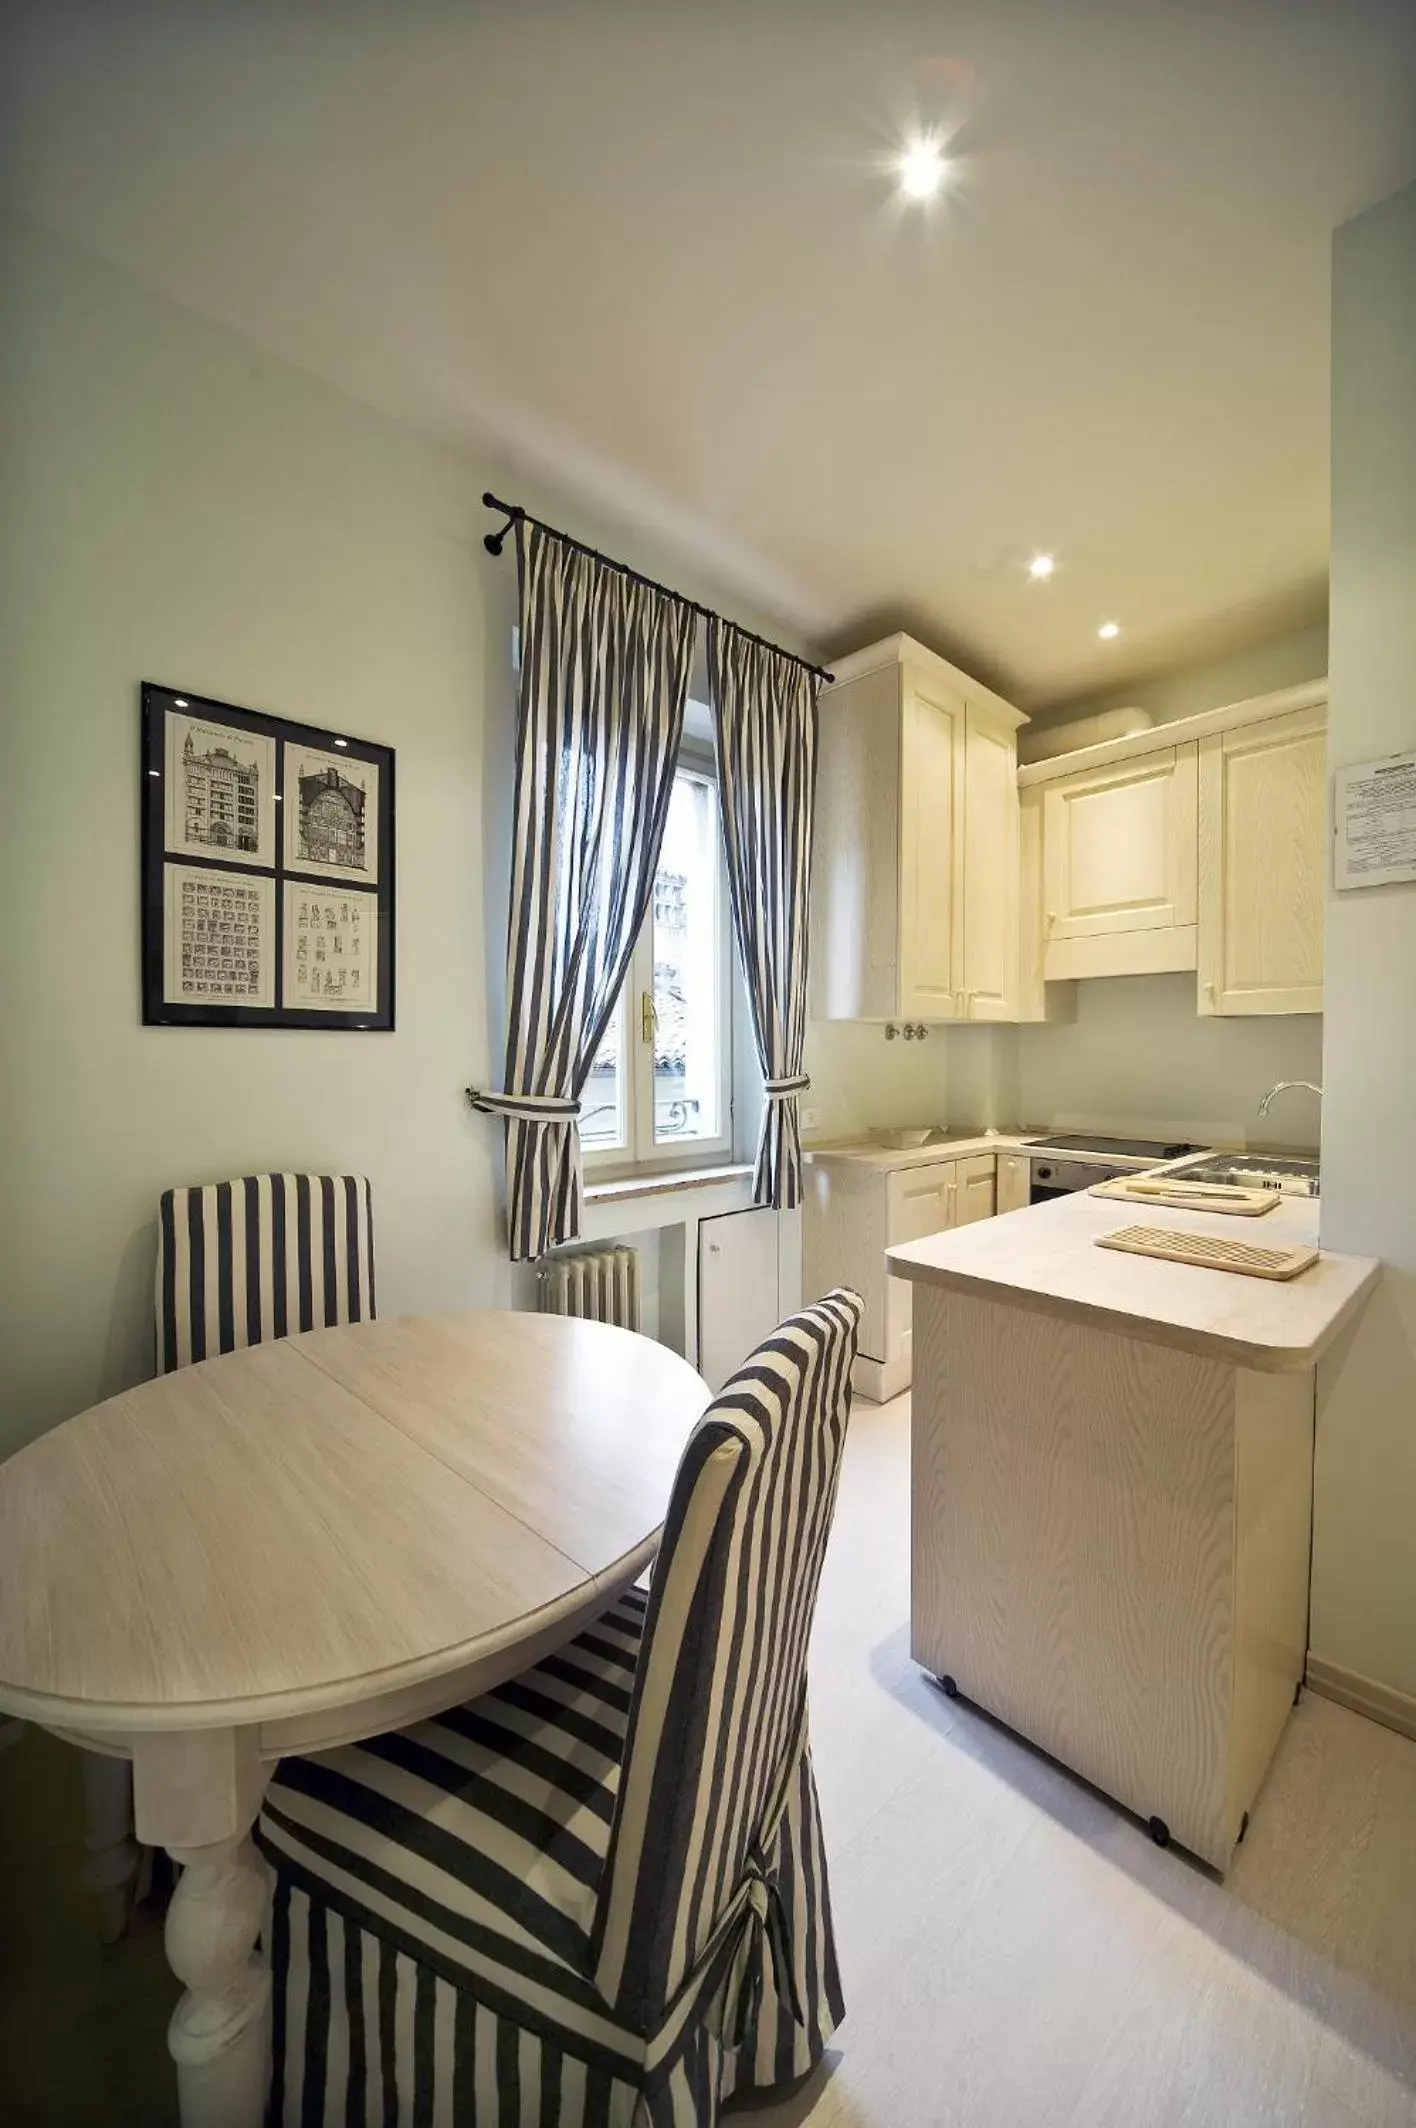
x,y
262,1257
719,1706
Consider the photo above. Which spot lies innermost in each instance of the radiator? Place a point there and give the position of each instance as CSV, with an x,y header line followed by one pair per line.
x,y
600,1283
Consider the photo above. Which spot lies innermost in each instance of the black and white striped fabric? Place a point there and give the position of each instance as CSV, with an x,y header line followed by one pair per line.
x,y
262,1257
597,1896
604,676
764,709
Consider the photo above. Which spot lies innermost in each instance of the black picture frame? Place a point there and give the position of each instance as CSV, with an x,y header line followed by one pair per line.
x,y
259,865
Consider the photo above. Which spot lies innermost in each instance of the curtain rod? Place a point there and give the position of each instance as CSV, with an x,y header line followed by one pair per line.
x,y
514,513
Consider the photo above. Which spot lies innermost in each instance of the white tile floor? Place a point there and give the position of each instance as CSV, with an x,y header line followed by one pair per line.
x,y
1016,1951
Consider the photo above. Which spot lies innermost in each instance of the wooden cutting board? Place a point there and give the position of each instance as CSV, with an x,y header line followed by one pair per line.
x,y
1211,1252
1172,1191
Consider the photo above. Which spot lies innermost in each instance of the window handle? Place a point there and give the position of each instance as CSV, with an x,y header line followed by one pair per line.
x,y
648,1017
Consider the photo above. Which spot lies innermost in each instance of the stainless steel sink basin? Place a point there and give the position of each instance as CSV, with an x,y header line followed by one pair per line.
x,y
1292,1176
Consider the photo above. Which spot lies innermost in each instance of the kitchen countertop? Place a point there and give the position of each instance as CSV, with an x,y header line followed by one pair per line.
x,y
949,1145
1044,1258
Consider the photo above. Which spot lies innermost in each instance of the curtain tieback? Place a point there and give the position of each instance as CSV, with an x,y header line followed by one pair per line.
x,y
783,1089
526,1108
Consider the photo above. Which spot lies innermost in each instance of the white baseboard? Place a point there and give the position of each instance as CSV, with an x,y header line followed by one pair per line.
x,y
1380,1703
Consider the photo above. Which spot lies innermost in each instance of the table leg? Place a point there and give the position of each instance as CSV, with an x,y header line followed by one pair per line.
x,y
219,2035
111,1868
197,1796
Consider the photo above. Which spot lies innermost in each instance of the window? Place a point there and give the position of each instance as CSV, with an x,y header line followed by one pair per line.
x,y
659,1089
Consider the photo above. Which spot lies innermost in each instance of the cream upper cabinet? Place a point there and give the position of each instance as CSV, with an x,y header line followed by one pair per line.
x,y
1262,873
915,873
1119,866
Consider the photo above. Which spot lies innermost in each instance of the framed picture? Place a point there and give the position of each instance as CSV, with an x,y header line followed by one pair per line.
x,y
332,816
267,870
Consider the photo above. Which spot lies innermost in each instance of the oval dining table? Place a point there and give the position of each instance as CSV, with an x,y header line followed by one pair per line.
x,y
307,1542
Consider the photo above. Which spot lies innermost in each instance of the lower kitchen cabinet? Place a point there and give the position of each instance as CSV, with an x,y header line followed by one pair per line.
x,y
854,1212
1014,1184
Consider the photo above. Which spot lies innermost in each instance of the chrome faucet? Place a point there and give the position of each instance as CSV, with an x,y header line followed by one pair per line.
x,y
1285,1086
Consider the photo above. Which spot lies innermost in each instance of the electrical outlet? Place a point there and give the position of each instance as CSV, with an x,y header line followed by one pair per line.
x,y
810,1117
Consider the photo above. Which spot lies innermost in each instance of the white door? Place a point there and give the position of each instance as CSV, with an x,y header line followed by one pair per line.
x,y
931,794
1119,858
1263,871
737,1290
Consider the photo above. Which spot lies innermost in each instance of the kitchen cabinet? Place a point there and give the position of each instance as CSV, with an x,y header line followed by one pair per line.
x,y
1262,866
1199,844
1119,866
1014,1183
915,875
855,1209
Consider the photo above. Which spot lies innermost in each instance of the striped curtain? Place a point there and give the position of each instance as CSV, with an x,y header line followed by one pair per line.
x,y
764,706
604,674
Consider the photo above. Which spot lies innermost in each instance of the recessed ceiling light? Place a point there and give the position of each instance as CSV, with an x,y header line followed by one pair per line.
x,y
180,700
921,170
341,742
1041,565
1108,629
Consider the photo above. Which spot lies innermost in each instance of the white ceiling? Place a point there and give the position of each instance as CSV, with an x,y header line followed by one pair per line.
x,y
650,254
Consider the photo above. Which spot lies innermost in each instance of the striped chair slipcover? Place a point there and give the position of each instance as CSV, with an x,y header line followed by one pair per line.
x,y
595,1897
241,1262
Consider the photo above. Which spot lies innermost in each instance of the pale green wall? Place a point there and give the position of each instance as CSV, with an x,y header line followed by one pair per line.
x,y
1364,1563
181,507
1213,683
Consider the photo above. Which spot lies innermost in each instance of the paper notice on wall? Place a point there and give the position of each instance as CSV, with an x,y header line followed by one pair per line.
x,y
1376,822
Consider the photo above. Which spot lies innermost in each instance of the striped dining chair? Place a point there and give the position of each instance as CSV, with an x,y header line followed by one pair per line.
x,y
595,1897
241,1262
237,1263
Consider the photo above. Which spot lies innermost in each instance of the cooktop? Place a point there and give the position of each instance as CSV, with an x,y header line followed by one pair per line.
x,y
1138,1148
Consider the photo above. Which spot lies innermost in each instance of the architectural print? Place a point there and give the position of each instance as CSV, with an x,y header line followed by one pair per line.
x,y
331,815
331,949
220,791
220,938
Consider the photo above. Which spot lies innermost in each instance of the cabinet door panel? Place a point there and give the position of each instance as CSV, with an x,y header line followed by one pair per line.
x,y
1014,1188
990,872
977,1192
922,1201
1119,847
1263,807
737,1290
931,782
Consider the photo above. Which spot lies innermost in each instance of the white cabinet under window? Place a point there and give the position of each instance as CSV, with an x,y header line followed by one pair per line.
x,y
915,880
1263,798
1119,867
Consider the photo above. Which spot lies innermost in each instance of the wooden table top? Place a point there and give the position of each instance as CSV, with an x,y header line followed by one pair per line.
x,y
300,1524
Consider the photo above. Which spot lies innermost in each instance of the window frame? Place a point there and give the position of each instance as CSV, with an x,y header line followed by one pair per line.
x,y
641,1154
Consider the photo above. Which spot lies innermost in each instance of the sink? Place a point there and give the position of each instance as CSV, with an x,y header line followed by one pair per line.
x,y
1290,1177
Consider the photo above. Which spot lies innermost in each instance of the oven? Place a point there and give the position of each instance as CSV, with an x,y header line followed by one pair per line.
x,y
1063,1164
1055,1177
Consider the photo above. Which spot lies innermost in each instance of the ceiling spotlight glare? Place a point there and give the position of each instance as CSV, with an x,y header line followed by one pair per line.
x,y
921,170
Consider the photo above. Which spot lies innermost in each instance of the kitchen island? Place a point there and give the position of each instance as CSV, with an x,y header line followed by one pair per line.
x,y
1112,1494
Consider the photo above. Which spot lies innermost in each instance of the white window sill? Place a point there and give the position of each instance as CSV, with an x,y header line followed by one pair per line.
x,y
661,1182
